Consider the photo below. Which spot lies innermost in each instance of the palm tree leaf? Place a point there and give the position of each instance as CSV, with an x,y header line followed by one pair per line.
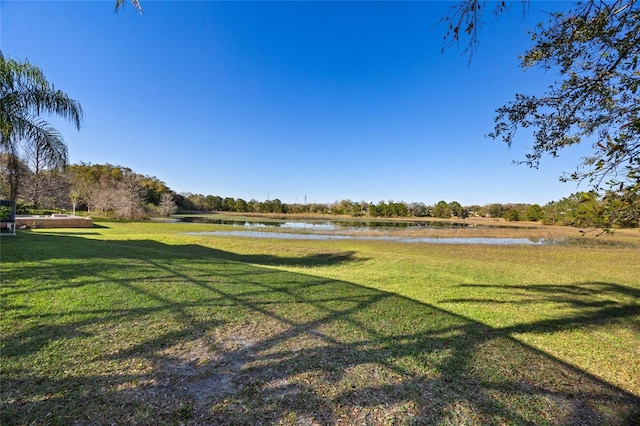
x,y
50,142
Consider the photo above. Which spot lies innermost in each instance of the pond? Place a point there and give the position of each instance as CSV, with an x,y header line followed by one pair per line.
x,y
365,230
334,225
423,240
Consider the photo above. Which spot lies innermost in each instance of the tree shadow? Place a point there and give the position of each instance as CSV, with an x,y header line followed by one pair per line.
x,y
68,249
593,304
140,332
568,292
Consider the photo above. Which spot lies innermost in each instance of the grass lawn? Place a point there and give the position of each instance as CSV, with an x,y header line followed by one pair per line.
x,y
137,323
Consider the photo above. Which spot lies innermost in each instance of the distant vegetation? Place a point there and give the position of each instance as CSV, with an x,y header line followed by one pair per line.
x,y
119,192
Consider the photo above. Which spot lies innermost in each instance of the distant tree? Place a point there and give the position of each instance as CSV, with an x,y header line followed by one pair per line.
x,y
318,208
390,209
241,205
418,209
254,206
398,209
496,210
623,209
358,208
154,188
336,209
37,184
582,209
442,210
85,184
90,181
511,214
553,213
214,203
374,210
457,210
49,189
167,206
277,206
272,206
534,213
300,208
228,204
183,202
585,210
198,201
347,207
127,198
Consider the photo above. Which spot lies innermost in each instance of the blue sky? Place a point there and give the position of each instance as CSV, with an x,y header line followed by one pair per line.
x,y
323,100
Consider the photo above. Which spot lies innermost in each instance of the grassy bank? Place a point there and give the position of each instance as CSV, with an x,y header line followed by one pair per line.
x,y
138,323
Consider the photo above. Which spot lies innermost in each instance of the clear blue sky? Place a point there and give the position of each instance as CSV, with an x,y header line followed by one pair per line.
x,y
328,100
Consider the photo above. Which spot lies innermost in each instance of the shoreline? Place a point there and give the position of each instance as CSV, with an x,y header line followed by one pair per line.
x,y
476,227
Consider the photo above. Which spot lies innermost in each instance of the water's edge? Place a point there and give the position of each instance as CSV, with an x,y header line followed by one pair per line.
x,y
423,240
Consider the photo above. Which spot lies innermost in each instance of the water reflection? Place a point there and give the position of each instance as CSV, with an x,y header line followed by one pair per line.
x,y
427,240
327,229
212,221
336,224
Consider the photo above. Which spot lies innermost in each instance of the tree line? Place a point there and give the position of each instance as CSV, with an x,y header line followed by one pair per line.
x,y
581,209
118,192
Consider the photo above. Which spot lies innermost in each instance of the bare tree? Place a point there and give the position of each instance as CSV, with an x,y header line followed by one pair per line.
x,y
167,206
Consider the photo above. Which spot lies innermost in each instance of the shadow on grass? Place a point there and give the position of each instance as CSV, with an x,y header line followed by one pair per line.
x,y
66,248
77,233
594,304
139,332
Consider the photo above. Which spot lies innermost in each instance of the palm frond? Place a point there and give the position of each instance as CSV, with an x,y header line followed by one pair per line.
x,y
15,73
38,132
54,102
24,90
136,4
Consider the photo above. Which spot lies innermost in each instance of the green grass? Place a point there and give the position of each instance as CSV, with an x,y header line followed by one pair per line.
x,y
136,323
